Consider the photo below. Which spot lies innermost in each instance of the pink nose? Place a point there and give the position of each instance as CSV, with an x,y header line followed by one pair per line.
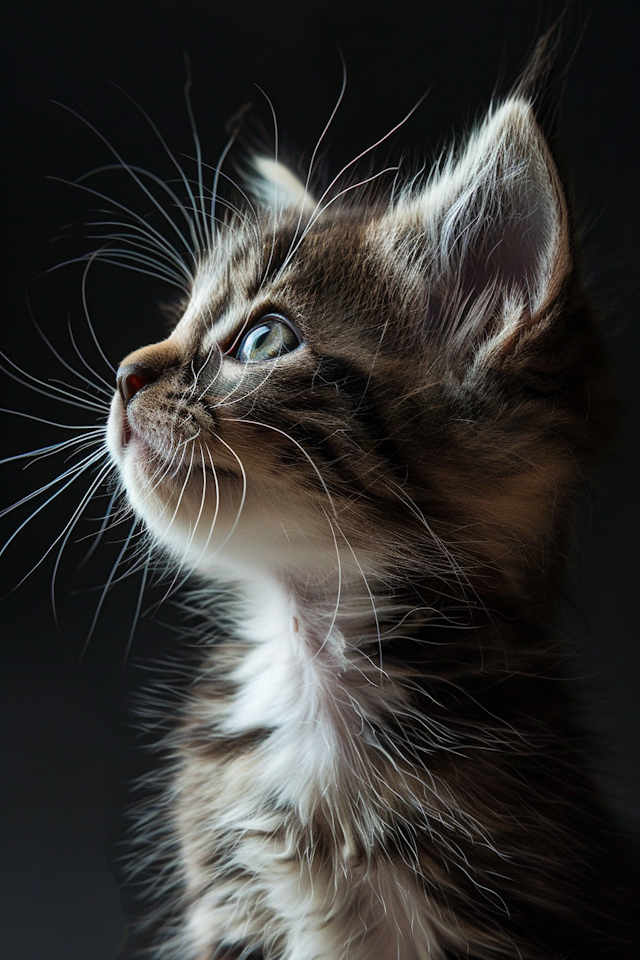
x,y
132,378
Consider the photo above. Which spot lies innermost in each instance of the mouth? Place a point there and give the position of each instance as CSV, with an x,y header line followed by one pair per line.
x,y
127,438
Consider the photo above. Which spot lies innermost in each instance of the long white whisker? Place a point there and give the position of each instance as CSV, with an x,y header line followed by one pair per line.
x,y
53,448
130,255
136,615
226,203
147,228
99,535
202,219
222,401
105,470
109,386
371,597
243,496
100,256
178,587
72,472
226,401
81,392
107,389
197,237
269,426
164,185
196,376
138,238
265,272
184,484
102,475
320,210
217,508
48,390
105,590
346,167
52,423
88,318
317,147
339,590
129,170
194,529
216,174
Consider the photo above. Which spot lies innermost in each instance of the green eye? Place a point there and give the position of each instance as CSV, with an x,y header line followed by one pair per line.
x,y
270,338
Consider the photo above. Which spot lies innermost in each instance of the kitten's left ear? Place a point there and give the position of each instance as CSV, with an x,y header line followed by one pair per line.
x,y
490,234
276,187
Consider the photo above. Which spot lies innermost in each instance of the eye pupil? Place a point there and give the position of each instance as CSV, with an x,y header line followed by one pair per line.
x,y
268,339
260,335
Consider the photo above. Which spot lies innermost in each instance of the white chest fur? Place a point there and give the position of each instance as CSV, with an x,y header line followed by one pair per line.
x,y
278,850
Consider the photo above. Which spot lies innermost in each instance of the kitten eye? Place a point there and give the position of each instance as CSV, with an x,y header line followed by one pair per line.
x,y
268,339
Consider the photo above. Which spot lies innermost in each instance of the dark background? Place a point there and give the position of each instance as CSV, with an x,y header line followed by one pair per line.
x,y
69,749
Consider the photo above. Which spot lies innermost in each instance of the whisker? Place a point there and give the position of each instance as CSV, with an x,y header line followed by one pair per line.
x,y
148,229
52,392
172,586
75,517
95,484
346,167
202,220
242,496
109,386
178,586
237,211
265,272
52,448
72,472
317,147
216,174
269,426
226,400
125,166
164,185
339,587
195,225
126,256
371,598
82,392
138,237
100,534
88,317
183,487
136,615
76,373
320,210
196,376
105,590
100,256
135,565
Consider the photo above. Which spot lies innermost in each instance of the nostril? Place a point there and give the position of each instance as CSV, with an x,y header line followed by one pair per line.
x,y
132,378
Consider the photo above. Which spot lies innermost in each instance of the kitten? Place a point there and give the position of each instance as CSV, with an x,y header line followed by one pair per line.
x,y
368,426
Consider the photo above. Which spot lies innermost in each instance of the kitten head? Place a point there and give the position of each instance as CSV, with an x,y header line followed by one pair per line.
x,y
400,388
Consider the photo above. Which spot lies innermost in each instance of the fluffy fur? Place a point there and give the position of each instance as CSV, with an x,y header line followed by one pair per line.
x,y
377,759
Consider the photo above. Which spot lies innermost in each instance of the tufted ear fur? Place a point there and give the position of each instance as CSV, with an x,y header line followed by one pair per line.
x,y
488,233
276,187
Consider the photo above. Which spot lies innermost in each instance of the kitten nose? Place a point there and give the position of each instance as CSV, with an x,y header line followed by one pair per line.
x,y
131,378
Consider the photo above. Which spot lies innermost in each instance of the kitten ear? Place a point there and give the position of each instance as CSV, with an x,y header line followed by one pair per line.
x,y
490,231
275,186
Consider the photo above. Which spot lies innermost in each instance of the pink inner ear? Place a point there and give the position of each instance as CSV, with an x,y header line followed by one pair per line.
x,y
495,229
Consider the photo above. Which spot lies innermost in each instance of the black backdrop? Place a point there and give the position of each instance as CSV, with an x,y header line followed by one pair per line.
x,y
68,742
